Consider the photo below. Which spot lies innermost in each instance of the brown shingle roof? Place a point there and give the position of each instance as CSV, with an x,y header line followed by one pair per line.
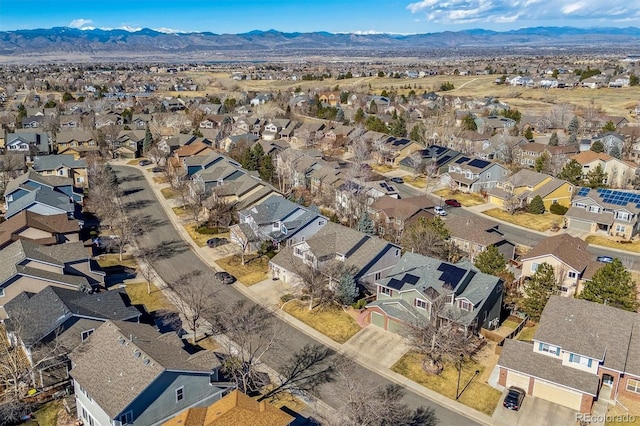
x,y
56,224
568,249
235,409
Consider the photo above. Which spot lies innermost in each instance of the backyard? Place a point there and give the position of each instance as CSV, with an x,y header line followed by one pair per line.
x,y
478,395
537,222
254,270
467,200
330,320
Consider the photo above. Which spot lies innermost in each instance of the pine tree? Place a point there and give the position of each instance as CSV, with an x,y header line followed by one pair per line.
x,y
612,285
147,143
490,261
536,206
572,173
574,125
468,123
540,287
553,141
597,146
609,127
529,134
347,290
596,177
365,224
267,169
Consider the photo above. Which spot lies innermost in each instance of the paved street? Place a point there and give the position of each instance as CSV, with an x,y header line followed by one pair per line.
x,y
179,258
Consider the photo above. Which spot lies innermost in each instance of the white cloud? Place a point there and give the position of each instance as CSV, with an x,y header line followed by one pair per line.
x,y
80,23
572,7
424,4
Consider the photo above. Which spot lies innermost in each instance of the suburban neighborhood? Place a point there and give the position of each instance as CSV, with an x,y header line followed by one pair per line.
x,y
217,244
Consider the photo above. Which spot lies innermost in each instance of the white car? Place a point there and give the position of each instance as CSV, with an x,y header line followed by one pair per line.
x,y
439,211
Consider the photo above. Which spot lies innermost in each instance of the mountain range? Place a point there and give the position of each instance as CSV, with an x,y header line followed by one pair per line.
x,y
105,43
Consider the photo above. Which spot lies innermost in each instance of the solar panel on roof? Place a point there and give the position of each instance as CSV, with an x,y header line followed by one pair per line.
x,y
411,279
481,164
462,160
395,284
451,274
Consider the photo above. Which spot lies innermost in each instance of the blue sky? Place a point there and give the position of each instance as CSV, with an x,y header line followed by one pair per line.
x,y
390,16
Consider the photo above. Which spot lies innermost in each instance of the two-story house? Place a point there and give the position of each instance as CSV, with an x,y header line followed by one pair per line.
x,y
526,184
392,150
568,256
370,257
619,173
606,211
392,216
527,154
64,165
30,144
42,229
581,352
470,174
129,374
75,139
278,221
473,234
353,198
422,288
434,160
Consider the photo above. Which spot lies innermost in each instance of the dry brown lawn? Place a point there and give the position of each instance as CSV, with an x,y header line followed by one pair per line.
x,y
152,301
527,333
467,200
134,162
479,395
381,168
417,181
169,192
113,259
331,320
536,222
160,180
632,409
254,270
633,246
180,211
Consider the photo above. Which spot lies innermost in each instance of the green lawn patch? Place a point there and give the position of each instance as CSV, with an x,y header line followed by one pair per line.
x,y
254,270
47,414
329,320
478,395
152,301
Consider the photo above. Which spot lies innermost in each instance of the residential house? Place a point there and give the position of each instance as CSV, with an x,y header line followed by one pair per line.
x,y
29,144
435,160
470,174
278,221
235,409
353,198
392,216
74,139
198,148
297,166
326,179
607,211
129,374
619,173
42,229
568,255
273,127
474,234
392,150
581,352
33,122
31,267
527,154
613,143
63,165
493,124
128,144
525,185
370,257
329,98
61,318
420,289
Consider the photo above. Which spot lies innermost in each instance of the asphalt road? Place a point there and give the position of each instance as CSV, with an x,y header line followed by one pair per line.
x,y
178,258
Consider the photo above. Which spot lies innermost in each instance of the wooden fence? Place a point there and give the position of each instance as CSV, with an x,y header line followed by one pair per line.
x,y
495,337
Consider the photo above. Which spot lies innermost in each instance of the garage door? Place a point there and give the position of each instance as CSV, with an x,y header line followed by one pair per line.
x,y
377,319
579,225
519,380
557,395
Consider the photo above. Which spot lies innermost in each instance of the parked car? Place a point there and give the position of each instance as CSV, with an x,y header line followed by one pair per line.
x,y
439,211
452,202
225,277
216,242
605,259
144,162
157,169
397,180
514,398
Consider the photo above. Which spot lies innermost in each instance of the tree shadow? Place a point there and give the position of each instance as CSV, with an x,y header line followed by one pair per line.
x,y
128,178
149,224
137,205
166,250
132,191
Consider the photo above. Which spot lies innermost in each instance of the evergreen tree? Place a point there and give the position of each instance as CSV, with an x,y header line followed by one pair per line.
x,y
398,126
147,143
267,169
537,205
347,290
612,285
542,163
597,146
359,117
468,123
572,173
596,177
529,134
553,141
574,126
365,224
417,133
373,107
490,261
609,127
540,287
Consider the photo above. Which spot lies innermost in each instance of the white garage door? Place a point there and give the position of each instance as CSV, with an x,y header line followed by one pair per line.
x,y
557,395
519,380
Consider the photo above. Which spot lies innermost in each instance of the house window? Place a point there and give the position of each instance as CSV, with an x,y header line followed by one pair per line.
x,y
180,394
572,274
384,290
465,306
397,252
620,228
378,276
449,299
554,201
622,215
594,209
534,267
85,334
549,349
421,304
126,418
633,385
1,291
582,360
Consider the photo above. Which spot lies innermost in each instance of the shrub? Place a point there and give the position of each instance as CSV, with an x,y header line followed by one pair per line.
x,y
536,206
558,209
360,304
286,297
205,230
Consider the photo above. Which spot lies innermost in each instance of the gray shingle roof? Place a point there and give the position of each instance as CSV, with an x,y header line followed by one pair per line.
x,y
44,196
51,181
594,330
52,162
121,359
51,307
519,356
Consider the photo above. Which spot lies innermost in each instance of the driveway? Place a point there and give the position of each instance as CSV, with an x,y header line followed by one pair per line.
x,y
534,412
377,344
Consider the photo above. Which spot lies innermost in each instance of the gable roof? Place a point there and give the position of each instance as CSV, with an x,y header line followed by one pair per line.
x,y
474,228
235,409
52,162
594,330
44,195
55,224
31,175
51,307
569,250
130,356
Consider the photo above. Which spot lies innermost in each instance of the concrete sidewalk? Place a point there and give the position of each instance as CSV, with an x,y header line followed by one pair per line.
x,y
267,293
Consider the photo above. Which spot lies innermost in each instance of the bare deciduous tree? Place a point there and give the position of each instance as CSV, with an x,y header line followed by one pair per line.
x,y
196,299
312,280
